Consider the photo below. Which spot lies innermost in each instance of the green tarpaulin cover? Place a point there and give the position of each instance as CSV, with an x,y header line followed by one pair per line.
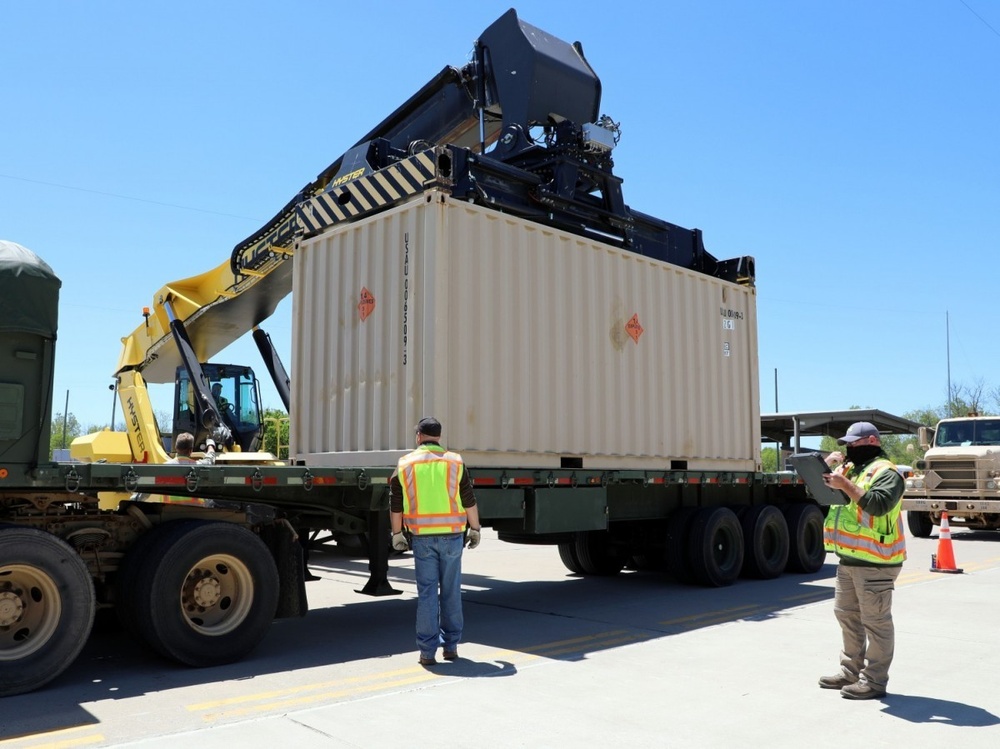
x,y
29,292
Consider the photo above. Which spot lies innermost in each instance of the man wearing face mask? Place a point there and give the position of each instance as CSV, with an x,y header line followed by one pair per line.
x,y
867,538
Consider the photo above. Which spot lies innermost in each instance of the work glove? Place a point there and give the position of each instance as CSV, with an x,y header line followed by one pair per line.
x,y
399,542
209,443
223,436
473,538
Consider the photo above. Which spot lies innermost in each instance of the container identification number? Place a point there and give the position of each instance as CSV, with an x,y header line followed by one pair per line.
x,y
406,289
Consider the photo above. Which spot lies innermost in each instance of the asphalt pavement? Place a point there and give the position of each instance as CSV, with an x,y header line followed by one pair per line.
x,y
553,660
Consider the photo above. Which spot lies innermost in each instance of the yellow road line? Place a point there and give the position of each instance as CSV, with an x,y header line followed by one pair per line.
x,y
352,686
53,740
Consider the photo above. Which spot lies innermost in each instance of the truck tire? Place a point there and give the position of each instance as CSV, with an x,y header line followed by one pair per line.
x,y
47,606
919,524
715,550
128,592
765,542
597,556
805,533
205,592
567,553
677,542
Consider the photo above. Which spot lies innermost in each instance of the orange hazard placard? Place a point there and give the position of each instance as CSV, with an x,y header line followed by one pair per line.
x,y
367,304
633,328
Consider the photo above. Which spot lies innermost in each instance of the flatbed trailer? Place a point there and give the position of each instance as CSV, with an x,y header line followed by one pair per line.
x,y
228,551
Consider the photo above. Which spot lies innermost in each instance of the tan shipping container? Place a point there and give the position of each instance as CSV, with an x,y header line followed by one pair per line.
x,y
530,344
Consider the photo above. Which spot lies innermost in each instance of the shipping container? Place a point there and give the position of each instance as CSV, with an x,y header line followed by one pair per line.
x,y
535,348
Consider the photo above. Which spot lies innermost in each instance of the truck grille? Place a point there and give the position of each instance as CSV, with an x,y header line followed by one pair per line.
x,y
955,474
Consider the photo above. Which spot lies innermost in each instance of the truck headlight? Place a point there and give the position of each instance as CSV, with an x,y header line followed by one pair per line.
x,y
991,484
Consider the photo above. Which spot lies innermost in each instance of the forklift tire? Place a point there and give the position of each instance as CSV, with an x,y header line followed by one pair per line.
x,y
47,606
765,542
805,533
919,524
206,593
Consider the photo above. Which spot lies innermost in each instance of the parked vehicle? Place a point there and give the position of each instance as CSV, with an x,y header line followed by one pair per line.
x,y
959,474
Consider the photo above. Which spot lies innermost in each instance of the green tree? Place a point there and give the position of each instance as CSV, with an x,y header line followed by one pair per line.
x,y
769,460
63,433
276,432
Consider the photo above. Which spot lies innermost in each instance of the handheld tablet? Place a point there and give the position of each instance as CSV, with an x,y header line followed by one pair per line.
x,y
811,467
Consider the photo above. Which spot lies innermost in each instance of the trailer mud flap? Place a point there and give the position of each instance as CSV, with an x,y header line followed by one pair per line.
x,y
289,557
562,510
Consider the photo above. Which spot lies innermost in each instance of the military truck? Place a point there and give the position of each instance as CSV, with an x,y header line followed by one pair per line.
x,y
959,474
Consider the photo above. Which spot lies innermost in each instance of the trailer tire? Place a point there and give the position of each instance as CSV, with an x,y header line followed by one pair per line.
x,y
677,540
567,553
597,556
805,531
128,593
47,606
765,542
207,592
715,550
919,524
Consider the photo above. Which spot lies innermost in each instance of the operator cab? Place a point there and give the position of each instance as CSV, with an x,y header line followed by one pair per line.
x,y
237,396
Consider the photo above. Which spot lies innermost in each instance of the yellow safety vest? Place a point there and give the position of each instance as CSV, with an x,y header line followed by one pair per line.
x,y
430,477
851,532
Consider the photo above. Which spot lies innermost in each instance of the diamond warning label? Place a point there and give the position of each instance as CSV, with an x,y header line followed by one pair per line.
x,y
633,328
367,304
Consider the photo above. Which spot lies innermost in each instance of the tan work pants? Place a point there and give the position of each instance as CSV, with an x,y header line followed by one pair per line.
x,y
863,606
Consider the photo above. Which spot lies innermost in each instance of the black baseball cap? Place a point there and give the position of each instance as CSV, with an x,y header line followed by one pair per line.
x,y
858,431
429,426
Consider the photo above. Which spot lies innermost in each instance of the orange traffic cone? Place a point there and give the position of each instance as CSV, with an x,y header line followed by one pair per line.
x,y
944,560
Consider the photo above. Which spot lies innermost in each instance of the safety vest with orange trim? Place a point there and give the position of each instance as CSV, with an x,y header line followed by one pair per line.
x,y
430,479
851,532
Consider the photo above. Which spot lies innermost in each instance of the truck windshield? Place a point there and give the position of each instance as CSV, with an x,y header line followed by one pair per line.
x,y
971,432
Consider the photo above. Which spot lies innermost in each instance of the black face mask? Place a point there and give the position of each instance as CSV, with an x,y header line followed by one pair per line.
x,y
863,454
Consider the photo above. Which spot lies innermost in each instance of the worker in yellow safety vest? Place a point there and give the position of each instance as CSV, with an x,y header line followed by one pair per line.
x,y
866,535
431,493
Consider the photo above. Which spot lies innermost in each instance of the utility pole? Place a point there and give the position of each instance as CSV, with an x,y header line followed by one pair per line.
x,y
947,348
65,420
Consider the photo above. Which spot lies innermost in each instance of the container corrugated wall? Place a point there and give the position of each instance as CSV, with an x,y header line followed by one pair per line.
x,y
529,344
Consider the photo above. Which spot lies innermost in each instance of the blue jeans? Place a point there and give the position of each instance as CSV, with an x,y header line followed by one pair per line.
x,y
438,568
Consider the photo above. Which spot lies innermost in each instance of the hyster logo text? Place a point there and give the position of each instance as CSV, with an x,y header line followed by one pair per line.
x,y
134,420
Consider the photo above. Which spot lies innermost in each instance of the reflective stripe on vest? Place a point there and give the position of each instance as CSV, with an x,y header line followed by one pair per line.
x,y
851,532
430,480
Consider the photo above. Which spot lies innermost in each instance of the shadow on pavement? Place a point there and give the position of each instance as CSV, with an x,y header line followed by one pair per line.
x,y
930,710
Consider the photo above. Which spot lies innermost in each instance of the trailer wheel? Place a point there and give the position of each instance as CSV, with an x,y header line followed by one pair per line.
x,y
597,556
676,554
919,524
127,590
805,532
567,553
765,542
47,606
206,592
715,552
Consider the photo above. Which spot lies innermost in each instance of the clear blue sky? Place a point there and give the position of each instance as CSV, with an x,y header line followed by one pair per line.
x,y
851,147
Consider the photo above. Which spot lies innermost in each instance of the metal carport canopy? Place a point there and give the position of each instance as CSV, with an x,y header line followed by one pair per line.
x,y
789,428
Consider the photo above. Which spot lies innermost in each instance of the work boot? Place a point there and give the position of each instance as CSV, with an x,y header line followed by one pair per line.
x,y
863,690
836,682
